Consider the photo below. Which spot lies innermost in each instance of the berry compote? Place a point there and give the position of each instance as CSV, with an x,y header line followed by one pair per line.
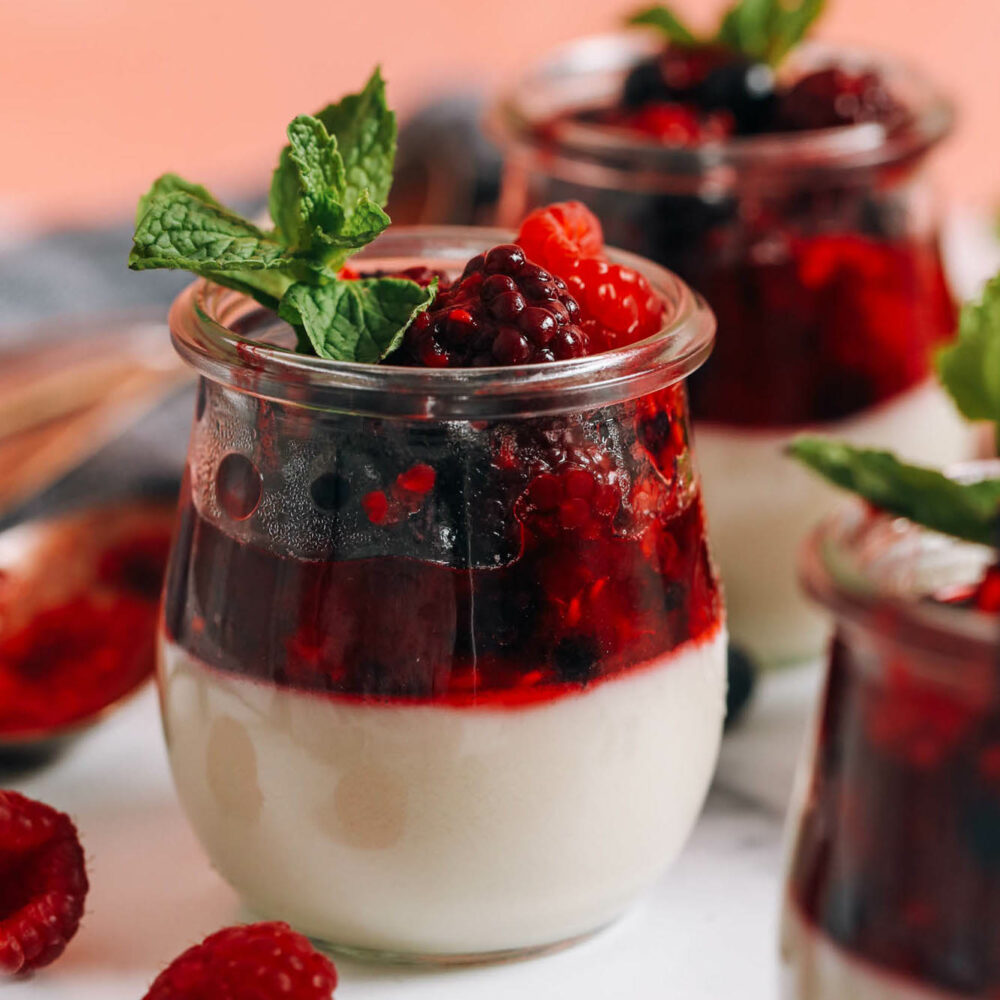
x,y
443,649
794,202
894,878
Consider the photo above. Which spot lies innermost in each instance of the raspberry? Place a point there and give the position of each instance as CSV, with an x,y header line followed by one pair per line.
x,y
832,97
43,883
558,236
504,310
248,963
574,487
617,304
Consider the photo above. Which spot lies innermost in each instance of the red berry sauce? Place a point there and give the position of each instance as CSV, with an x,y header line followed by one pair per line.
x,y
585,556
78,621
898,856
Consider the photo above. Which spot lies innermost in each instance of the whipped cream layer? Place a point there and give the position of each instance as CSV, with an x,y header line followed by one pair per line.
x,y
813,968
432,830
760,505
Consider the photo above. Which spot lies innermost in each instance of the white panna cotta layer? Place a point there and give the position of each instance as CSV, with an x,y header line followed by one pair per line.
x,y
813,968
760,504
435,830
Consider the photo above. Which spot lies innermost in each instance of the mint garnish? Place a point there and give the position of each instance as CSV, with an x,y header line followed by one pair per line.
x,y
969,369
361,320
761,30
326,201
925,496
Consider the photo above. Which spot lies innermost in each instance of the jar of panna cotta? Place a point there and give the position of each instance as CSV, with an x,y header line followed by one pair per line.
x,y
443,652
818,252
893,889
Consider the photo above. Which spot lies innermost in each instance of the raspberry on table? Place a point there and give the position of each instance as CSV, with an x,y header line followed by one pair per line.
x,y
43,883
248,963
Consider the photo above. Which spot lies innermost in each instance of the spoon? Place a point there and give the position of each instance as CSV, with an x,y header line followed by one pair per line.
x,y
79,599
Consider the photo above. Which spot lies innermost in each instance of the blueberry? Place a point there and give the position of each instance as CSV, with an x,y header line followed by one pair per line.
x,y
742,675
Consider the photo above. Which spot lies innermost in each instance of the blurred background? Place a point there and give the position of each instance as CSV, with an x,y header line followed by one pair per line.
x,y
102,95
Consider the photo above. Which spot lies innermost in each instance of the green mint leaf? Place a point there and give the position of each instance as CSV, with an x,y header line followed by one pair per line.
x,y
365,130
767,30
925,496
969,368
167,184
307,189
667,21
180,230
361,320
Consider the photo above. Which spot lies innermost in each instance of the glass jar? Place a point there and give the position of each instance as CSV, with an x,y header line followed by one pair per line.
x,y
443,654
818,253
893,890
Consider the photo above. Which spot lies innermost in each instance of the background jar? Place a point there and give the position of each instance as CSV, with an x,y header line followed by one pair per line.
x,y
818,252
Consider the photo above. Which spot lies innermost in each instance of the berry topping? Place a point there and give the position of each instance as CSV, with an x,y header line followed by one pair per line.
x,y
504,310
248,963
618,305
43,883
833,97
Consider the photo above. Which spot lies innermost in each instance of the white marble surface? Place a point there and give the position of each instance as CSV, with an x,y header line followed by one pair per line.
x,y
706,932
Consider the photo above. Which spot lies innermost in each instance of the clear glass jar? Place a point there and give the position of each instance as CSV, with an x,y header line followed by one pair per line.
x,y
818,253
893,889
443,655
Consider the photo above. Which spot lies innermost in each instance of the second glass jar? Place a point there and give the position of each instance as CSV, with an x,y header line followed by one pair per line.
x,y
818,252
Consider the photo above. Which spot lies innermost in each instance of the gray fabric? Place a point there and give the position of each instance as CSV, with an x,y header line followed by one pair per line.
x,y
72,275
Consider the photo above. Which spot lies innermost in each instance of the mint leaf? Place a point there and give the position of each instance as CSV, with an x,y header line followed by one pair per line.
x,y
314,208
365,130
762,30
167,184
666,21
180,230
925,496
361,320
767,30
969,368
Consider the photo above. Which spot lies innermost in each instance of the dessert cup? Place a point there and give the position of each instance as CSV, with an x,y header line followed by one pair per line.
x,y
443,655
818,253
893,888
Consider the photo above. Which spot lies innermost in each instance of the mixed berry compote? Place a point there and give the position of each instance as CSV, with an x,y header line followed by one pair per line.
x,y
794,201
443,657
894,878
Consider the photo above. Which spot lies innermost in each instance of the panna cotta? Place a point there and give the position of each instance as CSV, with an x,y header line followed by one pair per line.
x,y
442,829
443,653
760,506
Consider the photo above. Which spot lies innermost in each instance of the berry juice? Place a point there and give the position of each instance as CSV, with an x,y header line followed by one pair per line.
x,y
894,880
812,236
443,653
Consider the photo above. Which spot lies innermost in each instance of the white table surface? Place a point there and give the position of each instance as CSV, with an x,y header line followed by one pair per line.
x,y
706,932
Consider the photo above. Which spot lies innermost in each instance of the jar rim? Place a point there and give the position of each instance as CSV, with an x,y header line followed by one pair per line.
x,y
219,332
835,571
593,153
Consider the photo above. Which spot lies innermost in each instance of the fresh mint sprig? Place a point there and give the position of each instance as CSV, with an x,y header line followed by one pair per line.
x,y
326,201
969,370
761,30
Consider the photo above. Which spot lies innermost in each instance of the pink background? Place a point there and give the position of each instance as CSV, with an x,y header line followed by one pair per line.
x,y
98,96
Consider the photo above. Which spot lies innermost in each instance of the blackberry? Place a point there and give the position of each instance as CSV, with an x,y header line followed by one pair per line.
x,y
504,310
746,90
